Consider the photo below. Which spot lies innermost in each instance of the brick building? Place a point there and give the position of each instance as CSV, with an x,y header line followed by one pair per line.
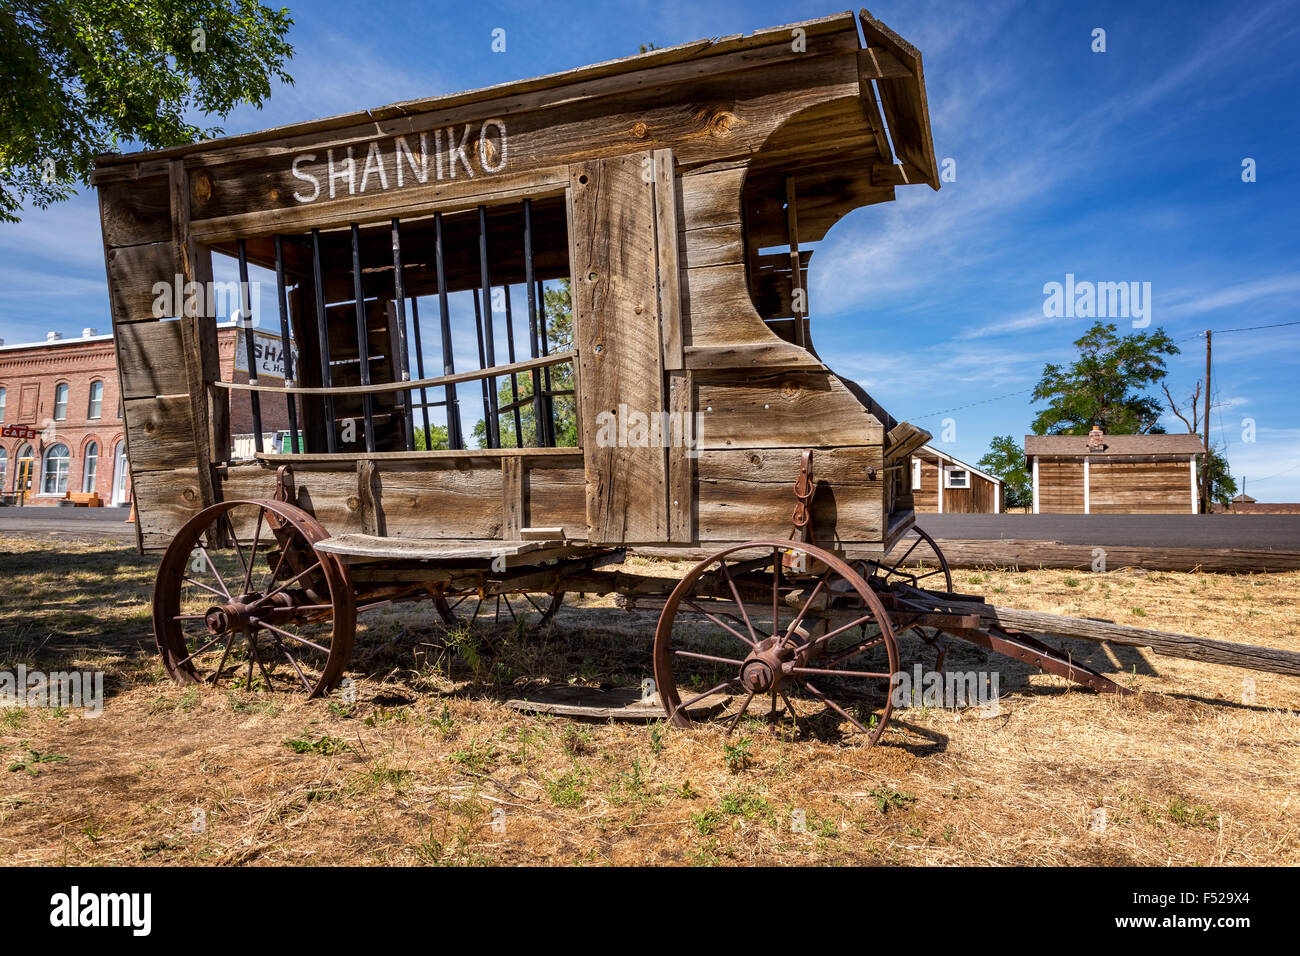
x,y
61,430
61,420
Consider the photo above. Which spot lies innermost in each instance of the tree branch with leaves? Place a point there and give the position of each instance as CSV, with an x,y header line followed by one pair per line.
x,y
84,77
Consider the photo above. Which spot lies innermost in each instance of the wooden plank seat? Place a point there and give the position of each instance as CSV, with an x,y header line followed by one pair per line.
x,y
358,548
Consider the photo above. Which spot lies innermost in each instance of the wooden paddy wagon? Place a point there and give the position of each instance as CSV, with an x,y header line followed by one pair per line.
x,y
676,191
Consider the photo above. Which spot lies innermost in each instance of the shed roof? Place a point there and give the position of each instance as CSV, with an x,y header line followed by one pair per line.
x,y
1077,445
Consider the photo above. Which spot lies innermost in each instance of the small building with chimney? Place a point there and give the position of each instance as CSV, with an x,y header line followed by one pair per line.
x,y
1114,474
942,484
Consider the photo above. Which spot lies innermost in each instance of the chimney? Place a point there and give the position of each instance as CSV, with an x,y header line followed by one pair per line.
x,y
88,332
53,336
1096,439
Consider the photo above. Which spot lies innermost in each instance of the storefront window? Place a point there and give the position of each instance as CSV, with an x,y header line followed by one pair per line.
x,y
54,480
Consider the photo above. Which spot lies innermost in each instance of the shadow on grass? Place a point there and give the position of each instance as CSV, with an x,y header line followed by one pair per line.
x,y
77,607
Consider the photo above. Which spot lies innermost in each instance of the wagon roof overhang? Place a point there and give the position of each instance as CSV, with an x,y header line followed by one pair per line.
x,y
902,95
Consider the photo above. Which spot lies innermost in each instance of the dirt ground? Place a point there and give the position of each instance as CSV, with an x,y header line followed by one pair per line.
x,y
428,765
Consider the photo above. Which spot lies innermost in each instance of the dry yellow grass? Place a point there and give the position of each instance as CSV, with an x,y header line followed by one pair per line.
x,y
430,766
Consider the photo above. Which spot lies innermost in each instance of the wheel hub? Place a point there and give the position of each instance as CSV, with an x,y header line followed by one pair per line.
x,y
767,666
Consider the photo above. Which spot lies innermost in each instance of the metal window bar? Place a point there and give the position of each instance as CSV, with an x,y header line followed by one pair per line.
x,y
482,364
546,372
285,348
454,437
419,365
494,422
514,376
363,338
403,359
539,428
246,325
322,332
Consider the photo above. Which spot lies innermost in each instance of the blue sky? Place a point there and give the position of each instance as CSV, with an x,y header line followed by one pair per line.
x,y
1117,166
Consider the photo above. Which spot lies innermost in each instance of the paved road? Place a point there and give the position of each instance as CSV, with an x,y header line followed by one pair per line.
x,y
1268,532
79,524
1271,532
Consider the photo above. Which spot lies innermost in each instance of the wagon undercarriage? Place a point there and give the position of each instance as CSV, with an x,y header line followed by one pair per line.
x,y
747,629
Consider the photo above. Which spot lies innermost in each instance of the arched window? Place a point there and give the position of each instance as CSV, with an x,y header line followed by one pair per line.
x,y
54,470
96,400
4,468
2,404
88,471
61,402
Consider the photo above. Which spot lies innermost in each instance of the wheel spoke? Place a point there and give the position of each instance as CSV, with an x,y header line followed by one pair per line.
x,y
699,697
220,580
804,610
854,651
293,661
741,713
899,563
266,597
839,673
735,593
836,707
840,630
776,581
221,664
186,660
252,555
234,538
252,646
726,627
200,584
709,657
293,637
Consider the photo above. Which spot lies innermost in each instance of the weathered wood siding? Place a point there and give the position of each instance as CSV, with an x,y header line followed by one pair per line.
x,y
1060,486
620,349
665,269
1120,487
980,498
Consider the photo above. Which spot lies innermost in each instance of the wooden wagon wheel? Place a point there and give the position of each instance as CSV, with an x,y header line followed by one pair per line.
x,y
528,611
920,564
741,623
243,598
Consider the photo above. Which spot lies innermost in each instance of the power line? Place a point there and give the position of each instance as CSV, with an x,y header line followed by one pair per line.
x,y
1277,474
1248,328
985,401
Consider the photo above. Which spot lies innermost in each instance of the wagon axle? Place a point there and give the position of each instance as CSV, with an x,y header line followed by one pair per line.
x,y
242,614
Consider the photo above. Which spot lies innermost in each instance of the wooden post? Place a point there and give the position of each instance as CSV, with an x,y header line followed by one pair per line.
x,y
198,357
1087,486
1205,430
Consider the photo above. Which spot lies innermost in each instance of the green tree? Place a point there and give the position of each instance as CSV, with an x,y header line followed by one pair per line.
x,y
559,338
1106,385
437,432
82,77
1006,459
1222,484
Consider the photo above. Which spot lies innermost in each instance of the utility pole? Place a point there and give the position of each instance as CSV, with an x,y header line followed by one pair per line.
x,y
1205,431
